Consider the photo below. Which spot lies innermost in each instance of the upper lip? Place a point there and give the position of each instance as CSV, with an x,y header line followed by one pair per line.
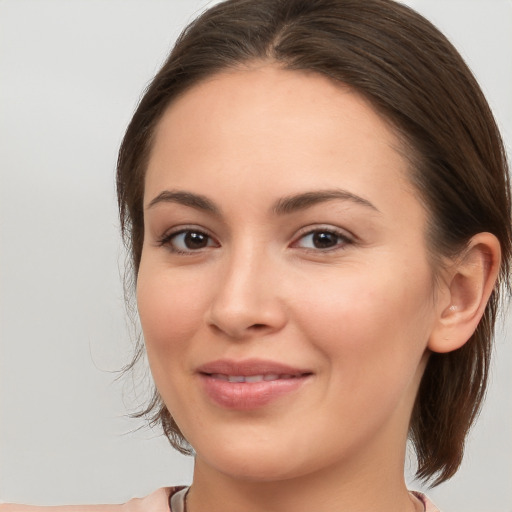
x,y
248,367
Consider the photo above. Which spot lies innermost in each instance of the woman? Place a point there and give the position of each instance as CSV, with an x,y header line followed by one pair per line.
x,y
316,202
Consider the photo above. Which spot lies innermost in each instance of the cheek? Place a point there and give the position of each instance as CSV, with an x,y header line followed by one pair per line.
x,y
370,321
170,310
372,336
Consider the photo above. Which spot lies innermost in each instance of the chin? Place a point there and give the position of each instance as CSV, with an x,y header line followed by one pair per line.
x,y
261,468
258,458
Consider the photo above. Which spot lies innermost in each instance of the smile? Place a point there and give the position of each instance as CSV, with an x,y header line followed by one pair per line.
x,y
251,378
249,384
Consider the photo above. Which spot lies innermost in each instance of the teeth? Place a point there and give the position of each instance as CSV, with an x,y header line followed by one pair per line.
x,y
236,378
250,378
254,378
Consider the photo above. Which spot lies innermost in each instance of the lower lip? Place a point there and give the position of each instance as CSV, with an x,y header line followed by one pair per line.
x,y
249,395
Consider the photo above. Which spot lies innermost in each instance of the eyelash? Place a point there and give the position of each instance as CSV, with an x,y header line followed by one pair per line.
x,y
167,240
343,240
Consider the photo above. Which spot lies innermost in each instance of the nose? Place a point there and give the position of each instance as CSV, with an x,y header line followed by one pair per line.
x,y
246,301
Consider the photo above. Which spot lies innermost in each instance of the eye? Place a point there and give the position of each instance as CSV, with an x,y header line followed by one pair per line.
x,y
322,239
188,241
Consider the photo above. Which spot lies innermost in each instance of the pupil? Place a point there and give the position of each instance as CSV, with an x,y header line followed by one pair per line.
x,y
324,240
196,240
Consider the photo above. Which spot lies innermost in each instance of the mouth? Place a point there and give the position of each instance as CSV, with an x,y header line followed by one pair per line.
x,y
249,384
267,369
253,378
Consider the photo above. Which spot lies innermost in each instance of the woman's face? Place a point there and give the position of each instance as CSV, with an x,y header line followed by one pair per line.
x,y
284,291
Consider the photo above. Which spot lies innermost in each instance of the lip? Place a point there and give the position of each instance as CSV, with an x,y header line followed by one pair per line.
x,y
250,383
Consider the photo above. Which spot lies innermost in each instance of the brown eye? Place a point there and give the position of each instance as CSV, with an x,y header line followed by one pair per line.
x,y
194,240
322,239
189,240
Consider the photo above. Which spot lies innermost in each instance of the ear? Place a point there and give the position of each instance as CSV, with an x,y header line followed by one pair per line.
x,y
467,288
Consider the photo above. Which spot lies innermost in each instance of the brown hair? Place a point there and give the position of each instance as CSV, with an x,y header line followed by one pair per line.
x,y
417,80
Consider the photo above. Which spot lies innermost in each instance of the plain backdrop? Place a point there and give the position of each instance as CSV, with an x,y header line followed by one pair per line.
x,y
71,74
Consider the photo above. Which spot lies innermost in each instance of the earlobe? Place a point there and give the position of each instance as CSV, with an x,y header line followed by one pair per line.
x,y
470,282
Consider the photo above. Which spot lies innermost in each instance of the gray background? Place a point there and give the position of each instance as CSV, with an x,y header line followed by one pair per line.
x,y
71,73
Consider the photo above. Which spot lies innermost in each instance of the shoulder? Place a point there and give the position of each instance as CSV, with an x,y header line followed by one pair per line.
x,y
158,501
429,506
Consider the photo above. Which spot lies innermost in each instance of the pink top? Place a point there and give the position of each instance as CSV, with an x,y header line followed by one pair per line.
x,y
159,501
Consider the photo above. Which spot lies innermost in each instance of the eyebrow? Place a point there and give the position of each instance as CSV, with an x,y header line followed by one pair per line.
x,y
297,202
283,206
196,201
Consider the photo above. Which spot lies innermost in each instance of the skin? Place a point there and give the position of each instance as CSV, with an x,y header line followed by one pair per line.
x,y
359,314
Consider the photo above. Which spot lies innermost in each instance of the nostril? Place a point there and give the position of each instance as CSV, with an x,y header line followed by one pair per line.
x,y
258,327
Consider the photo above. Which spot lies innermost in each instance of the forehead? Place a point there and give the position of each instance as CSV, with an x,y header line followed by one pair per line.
x,y
273,128
264,96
